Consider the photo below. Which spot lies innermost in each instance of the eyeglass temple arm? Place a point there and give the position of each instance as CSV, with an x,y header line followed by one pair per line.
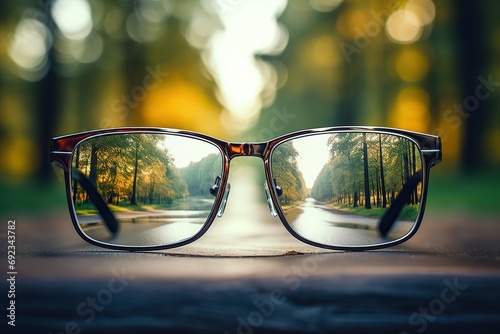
x,y
109,218
385,224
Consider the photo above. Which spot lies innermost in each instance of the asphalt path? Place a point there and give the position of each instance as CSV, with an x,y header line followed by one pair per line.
x,y
324,224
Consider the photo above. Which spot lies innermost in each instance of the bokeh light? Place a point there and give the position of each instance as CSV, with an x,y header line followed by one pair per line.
x,y
424,9
411,65
411,109
406,25
73,18
325,5
28,48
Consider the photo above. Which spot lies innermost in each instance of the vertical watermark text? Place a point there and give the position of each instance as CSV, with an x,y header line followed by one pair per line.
x,y
11,272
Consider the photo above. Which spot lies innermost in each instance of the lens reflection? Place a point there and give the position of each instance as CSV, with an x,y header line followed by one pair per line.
x,y
156,187
349,189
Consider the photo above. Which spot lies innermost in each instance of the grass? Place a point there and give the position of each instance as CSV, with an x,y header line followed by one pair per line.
x,y
455,192
32,197
89,209
408,212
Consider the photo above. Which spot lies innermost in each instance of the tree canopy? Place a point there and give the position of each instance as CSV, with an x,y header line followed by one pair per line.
x,y
287,174
133,168
367,170
201,175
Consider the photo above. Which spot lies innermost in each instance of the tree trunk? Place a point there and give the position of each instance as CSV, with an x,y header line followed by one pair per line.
x,y
47,90
406,170
365,167
470,27
93,166
382,178
133,200
414,171
377,186
77,165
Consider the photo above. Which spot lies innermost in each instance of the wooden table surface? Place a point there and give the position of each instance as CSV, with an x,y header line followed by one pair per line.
x,y
248,275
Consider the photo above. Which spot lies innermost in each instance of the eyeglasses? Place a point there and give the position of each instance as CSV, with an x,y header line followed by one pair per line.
x,y
344,188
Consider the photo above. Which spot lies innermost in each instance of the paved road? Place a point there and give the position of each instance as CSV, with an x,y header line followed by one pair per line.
x,y
248,275
323,224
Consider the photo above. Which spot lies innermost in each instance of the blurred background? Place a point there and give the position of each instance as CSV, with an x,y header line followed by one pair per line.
x,y
250,71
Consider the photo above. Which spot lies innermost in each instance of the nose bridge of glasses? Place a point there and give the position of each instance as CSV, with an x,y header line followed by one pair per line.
x,y
255,150
246,149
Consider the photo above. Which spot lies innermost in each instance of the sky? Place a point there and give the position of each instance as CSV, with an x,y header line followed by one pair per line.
x,y
313,155
186,150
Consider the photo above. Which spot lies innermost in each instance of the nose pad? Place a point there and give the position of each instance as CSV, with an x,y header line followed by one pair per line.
x,y
269,201
214,190
224,201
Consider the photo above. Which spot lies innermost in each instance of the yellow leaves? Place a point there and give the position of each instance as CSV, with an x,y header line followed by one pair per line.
x,y
180,103
411,110
411,65
19,155
493,145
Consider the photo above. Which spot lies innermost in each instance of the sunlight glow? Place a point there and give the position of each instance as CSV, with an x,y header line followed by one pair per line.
x,y
405,26
28,48
251,28
424,9
73,18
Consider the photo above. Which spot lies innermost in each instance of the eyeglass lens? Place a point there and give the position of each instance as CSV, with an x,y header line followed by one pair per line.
x,y
160,188
338,189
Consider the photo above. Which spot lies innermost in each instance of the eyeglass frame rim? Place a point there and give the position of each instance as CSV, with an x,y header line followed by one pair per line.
x,y
62,151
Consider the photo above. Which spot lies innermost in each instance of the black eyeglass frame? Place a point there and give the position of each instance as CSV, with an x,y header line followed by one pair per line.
x,y
62,149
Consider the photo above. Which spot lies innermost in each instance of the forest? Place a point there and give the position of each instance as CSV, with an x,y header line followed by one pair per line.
x,y
287,174
367,170
362,170
138,169
56,80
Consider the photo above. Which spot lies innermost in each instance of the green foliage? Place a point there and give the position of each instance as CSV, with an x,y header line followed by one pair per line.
x,y
287,174
132,168
200,176
367,170
322,189
408,213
